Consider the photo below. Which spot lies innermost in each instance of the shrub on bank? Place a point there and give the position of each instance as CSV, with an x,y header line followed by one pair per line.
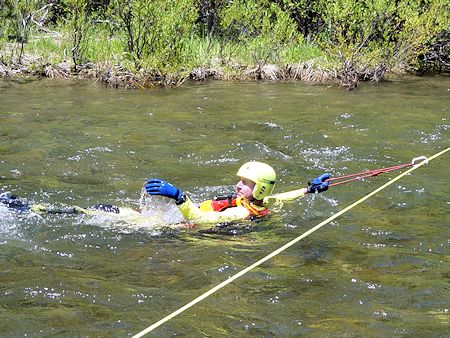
x,y
167,41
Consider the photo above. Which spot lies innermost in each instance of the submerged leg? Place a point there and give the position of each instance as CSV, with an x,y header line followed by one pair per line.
x,y
106,208
13,202
57,209
52,209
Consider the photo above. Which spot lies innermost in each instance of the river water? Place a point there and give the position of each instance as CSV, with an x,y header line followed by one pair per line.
x,y
381,269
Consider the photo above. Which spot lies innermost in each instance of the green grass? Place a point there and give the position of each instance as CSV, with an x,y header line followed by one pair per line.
x,y
209,52
50,49
298,53
226,57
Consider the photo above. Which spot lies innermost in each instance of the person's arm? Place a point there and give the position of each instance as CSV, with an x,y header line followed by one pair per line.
x,y
318,185
188,209
286,196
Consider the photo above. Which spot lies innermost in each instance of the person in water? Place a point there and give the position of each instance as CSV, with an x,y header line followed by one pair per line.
x,y
251,199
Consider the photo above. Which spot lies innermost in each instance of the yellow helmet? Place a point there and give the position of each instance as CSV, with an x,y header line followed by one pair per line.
x,y
262,174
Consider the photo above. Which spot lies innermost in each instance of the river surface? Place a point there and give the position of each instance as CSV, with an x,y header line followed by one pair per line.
x,y
380,270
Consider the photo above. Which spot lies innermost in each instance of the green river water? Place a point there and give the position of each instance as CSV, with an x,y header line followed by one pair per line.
x,y
380,270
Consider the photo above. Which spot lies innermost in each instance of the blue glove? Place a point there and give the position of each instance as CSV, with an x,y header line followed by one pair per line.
x,y
319,184
156,186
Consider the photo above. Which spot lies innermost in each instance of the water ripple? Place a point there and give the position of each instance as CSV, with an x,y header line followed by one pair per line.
x,y
329,156
89,152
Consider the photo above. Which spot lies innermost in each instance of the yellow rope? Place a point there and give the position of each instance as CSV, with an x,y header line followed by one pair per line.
x,y
284,247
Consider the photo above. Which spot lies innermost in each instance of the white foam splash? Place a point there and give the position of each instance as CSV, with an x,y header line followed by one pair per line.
x,y
8,220
161,209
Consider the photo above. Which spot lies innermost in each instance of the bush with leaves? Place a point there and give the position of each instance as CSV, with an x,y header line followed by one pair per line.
x,y
371,37
437,57
154,30
17,17
261,26
308,15
79,25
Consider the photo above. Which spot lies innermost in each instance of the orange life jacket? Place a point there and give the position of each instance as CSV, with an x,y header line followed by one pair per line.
x,y
221,203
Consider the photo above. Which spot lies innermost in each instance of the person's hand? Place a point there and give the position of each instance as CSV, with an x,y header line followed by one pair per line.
x,y
156,186
319,184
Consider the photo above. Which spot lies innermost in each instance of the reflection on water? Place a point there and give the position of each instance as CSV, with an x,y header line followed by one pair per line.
x,y
379,270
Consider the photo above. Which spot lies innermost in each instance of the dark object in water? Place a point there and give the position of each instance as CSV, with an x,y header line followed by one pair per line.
x,y
11,201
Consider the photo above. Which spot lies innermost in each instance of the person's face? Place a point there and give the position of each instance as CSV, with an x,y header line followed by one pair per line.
x,y
244,188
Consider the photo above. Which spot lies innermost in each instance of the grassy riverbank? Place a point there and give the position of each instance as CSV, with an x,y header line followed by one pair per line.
x,y
205,59
144,43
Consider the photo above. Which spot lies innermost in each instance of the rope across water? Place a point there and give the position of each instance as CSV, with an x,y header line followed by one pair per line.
x,y
284,247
